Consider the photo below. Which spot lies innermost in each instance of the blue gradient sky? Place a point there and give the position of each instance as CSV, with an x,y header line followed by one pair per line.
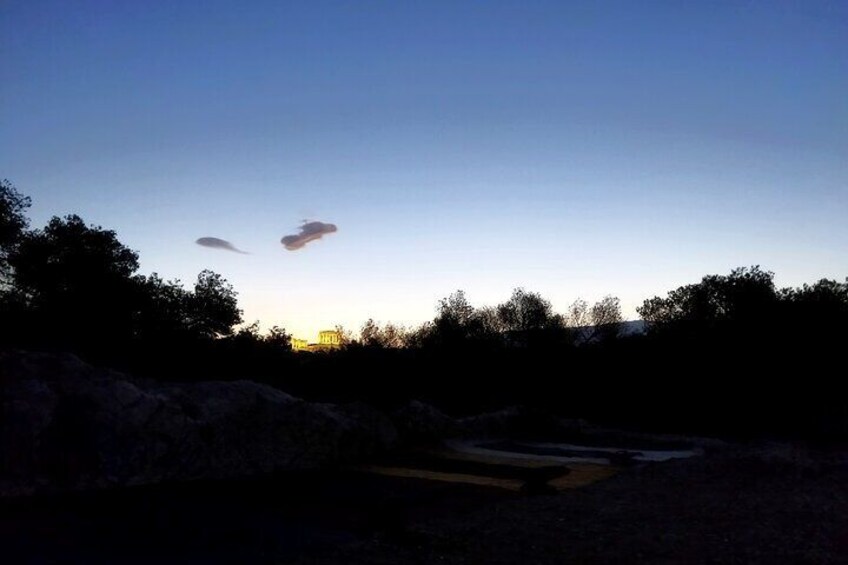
x,y
575,149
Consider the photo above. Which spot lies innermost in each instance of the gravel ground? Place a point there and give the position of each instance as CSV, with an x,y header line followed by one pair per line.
x,y
771,505
778,504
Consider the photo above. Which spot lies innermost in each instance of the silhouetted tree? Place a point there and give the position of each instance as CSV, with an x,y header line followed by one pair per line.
x,y
458,324
71,285
490,321
277,337
527,311
420,337
455,310
345,336
601,321
527,319
826,295
747,294
389,336
818,311
13,224
579,317
77,281
369,335
170,312
606,318
214,306
247,336
452,323
166,311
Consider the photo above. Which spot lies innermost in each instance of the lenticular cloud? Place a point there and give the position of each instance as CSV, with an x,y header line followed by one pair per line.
x,y
309,231
215,243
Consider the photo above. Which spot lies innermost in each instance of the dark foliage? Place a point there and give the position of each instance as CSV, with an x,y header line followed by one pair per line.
x,y
747,295
75,287
729,355
75,284
13,224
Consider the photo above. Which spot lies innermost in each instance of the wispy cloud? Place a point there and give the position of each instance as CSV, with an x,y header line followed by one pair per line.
x,y
308,231
215,243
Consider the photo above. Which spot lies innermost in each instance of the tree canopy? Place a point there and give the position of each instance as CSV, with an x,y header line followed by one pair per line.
x,y
746,294
13,224
70,284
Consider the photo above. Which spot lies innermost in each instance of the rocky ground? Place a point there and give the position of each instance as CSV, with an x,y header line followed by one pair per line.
x,y
65,426
99,467
745,505
775,505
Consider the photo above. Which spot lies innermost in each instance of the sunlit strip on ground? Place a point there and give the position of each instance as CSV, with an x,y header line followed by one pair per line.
x,y
531,463
583,474
403,472
479,449
580,475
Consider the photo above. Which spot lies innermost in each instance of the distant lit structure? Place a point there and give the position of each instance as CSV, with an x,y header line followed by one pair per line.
x,y
327,339
299,344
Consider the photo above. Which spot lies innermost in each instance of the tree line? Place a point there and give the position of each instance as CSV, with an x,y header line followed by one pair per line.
x,y
76,286
729,354
526,319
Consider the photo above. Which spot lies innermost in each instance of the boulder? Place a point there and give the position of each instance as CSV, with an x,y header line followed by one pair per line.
x,y
519,421
417,421
366,429
502,423
67,425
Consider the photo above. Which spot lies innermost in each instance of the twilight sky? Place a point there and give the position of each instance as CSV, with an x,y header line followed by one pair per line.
x,y
573,148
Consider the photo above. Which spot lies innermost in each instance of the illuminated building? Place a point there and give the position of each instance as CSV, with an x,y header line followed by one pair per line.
x,y
327,339
299,344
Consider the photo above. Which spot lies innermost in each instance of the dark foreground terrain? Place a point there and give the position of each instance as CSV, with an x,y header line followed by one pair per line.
x,y
776,504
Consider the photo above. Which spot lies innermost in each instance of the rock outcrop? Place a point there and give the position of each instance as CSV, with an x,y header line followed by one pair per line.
x,y
417,421
519,421
67,425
